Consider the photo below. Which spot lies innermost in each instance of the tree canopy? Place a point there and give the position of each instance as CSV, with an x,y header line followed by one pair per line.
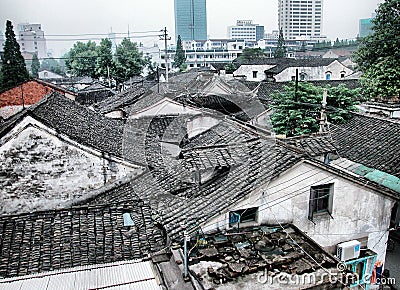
x,y
52,65
180,57
14,69
280,51
249,54
104,60
35,66
128,61
297,117
81,59
378,56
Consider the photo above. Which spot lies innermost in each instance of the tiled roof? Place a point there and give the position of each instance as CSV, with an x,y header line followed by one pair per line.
x,y
51,240
120,100
313,145
80,124
176,198
28,93
77,122
371,141
93,94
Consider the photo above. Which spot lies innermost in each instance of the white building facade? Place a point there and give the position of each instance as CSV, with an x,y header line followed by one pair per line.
x,y
31,39
301,19
246,30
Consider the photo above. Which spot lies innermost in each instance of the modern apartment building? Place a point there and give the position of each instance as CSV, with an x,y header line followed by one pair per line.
x,y
31,39
191,19
301,19
246,30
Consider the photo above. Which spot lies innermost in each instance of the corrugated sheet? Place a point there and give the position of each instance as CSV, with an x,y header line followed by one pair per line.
x,y
117,276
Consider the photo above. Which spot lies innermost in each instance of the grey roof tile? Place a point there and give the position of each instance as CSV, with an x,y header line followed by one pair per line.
x,y
51,240
371,141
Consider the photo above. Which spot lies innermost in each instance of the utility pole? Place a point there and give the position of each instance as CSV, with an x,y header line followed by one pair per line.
x,y
322,121
108,75
185,265
296,89
165,37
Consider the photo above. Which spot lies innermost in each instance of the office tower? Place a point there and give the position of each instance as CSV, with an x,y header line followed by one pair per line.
x,y
246,30
366,25
301,19
191,19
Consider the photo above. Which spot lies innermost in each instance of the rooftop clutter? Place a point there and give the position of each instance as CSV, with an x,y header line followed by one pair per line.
x,y
255,256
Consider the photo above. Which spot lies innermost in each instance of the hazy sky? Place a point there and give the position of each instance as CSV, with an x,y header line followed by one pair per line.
x,y
98,16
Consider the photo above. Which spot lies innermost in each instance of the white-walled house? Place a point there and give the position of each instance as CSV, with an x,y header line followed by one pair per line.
x,y
329,205
46,74
283,70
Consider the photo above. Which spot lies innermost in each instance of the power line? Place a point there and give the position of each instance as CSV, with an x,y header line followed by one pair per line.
x,y
110,33
81,39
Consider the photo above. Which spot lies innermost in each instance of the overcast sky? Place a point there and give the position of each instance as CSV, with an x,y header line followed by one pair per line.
x,y
98,16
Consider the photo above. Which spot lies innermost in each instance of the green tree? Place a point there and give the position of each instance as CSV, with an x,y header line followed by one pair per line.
x,y
14,69
292,118
104,60
378,56
35,66
230,68
52,65
180,57
280,51
249,54
81,59
128,61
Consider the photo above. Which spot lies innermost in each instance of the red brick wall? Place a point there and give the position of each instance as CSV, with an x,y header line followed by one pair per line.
x,y
32,91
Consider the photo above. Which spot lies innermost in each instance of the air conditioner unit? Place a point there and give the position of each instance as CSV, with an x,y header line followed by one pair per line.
x,y
348,250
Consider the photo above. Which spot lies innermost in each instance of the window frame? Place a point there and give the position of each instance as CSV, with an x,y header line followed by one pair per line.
x,y
313,205
251,211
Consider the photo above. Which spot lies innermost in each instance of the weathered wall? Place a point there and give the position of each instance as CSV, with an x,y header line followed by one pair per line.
x,y
28,93
247,70
315,73
37,167
357,211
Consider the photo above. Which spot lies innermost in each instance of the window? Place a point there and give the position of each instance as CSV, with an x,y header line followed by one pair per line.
x,y
243,215
328,76
254,74
128,221
321,197
342,74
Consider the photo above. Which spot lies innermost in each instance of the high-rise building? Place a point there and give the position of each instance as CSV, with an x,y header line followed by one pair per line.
x,y
191,19
365,27
301,19
246,30
31,39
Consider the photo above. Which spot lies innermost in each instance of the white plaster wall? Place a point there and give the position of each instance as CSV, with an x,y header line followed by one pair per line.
x,y
337,68
39,170
46,74
247,70
357,211
165,107
199,124
315,73
118,114
312,73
